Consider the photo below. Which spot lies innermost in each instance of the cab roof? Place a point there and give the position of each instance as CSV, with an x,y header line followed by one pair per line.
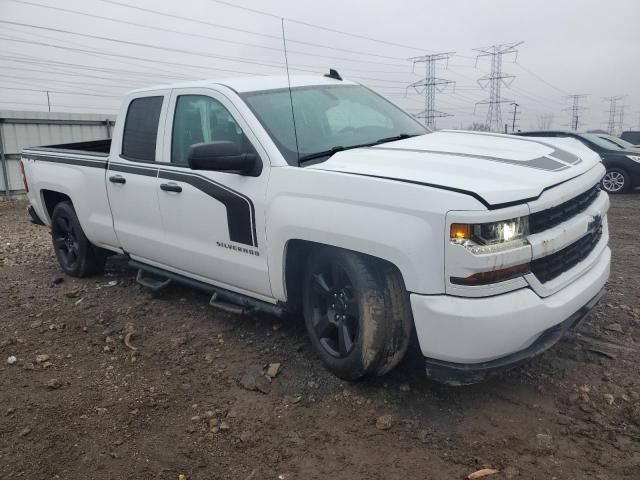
x,y
255,83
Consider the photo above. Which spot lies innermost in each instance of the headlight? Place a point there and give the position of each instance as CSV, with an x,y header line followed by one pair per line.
x,y
635,158
491,237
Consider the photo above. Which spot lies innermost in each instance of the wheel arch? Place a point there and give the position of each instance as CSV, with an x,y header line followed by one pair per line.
x,y
295,252
51,198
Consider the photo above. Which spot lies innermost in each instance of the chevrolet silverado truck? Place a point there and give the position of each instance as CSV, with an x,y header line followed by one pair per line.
x,y
321,197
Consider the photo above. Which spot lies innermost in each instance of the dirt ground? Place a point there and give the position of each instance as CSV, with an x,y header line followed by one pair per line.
x,y
78,403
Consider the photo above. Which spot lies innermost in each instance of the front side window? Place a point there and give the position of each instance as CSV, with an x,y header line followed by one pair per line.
x,y
327,117
202,119
141,129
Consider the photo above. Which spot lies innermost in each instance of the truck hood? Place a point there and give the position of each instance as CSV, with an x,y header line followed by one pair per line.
x,y
496,169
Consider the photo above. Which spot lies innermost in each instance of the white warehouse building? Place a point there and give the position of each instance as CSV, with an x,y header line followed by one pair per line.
x,y
19,130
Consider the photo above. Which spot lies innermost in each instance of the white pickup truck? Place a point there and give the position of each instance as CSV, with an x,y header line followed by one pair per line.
x,y
324,198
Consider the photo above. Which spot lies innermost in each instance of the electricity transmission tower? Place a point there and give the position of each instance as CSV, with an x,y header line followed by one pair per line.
x,y
611,124
621,119
575,109
429,85
495,80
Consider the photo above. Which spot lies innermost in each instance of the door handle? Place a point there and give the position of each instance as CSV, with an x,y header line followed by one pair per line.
x,y
171,187
117,179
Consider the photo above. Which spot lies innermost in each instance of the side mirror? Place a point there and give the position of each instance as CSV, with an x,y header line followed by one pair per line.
x,y
223,157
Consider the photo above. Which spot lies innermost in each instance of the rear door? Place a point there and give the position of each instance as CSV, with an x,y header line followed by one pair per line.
x,y
132,181
214,225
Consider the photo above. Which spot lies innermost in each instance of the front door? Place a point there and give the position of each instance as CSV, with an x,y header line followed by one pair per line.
x,y
213,221
132,178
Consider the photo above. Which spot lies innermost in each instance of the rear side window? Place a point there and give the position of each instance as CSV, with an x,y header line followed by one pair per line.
x,y
141,129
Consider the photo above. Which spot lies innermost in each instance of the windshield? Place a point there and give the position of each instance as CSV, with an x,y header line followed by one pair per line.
x,y
601,142
328,117
618,141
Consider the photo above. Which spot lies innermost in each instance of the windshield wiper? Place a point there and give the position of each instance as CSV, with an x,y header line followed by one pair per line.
x,y
339,148
402,136
324,153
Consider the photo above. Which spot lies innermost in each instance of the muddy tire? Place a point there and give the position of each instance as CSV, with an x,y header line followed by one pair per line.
x,y
76,255
356,311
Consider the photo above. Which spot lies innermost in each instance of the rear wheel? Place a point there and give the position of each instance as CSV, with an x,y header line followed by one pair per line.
x,y
616,180
76,255
356,311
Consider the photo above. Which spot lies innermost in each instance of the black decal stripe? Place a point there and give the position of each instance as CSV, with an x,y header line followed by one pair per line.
x,y
540,163
561,155
134,169
240,209
68,160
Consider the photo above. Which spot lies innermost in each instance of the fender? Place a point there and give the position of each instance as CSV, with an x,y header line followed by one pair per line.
x,y
396,222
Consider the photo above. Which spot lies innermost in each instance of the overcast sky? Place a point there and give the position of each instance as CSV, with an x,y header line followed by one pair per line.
x,y
570,47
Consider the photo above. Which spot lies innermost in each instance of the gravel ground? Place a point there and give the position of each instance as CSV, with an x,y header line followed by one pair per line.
x,y
111,382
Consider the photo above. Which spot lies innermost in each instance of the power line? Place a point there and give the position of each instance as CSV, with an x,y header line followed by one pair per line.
x,y
533,74
312,25
66,65
429,85
495,80
183,51
42,90
119,55
250,32
219,39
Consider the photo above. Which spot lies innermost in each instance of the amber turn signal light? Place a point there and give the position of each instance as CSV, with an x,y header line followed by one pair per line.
x,y
460,231
485,278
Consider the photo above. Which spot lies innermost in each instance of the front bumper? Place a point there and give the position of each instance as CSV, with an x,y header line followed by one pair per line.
x,y
467,373
482,334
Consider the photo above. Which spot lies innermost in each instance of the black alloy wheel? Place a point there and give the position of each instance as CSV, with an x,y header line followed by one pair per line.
x,y
65,243
357,312
335,316
76,255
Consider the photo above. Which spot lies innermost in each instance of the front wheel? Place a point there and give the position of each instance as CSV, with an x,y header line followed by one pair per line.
x,y
357,312
76,255
616,180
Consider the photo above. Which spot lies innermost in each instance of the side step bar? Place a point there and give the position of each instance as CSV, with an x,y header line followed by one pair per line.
x,y
151,281
220,298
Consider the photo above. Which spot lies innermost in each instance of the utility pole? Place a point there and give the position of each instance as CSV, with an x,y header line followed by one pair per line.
x,y
48,102
429,85
575,110
611,124
515,112
495,80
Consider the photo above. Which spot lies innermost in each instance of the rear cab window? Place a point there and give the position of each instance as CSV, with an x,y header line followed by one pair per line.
x,y
141,129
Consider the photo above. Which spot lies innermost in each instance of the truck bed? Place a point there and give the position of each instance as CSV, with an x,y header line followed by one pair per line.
x,y
94,147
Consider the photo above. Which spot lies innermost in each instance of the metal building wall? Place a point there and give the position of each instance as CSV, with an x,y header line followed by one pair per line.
x,y
19,130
